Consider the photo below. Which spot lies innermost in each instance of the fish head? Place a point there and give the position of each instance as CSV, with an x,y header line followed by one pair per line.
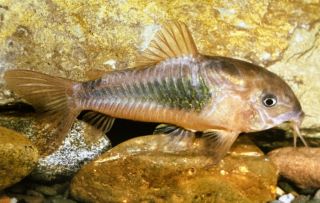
x,y
273,102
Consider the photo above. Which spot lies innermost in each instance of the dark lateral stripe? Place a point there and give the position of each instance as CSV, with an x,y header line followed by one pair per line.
x,y
167,88
178,93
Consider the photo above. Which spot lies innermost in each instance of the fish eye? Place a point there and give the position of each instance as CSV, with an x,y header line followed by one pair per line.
x,y
269,100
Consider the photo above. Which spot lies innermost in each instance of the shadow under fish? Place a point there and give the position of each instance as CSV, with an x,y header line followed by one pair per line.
x,y
171,83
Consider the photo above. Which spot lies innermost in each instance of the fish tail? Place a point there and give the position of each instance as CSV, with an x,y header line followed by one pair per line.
x,y
52,97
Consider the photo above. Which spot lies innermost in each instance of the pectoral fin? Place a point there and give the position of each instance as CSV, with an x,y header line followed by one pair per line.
x,y
218,143
179,139
214,144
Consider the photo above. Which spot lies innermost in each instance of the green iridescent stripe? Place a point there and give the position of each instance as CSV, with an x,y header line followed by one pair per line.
x,y
181,94
177,93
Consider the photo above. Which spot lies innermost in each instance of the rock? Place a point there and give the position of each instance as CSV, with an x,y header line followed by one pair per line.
x,y
78,36
34,193
300,67
18,157
301,199
139,170
310,201
60,200
82,144
300,165
29,199
5,199
317,195
30,191
286,198
46,190
51,190
287,187
61,188
279,191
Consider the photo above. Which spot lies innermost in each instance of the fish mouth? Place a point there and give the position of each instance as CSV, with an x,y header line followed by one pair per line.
x,y
295,124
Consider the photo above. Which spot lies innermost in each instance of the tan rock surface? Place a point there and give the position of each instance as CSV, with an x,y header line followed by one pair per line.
x,y
300,165
300,67
18,157
137,171
82,35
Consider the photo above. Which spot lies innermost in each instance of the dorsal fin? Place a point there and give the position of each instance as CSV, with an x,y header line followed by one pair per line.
x,y
172,40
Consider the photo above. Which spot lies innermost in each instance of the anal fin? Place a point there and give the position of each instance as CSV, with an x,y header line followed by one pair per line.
x,y
98,120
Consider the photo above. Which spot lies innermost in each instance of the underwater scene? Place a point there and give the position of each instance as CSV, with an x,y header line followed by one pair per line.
x,y
159,101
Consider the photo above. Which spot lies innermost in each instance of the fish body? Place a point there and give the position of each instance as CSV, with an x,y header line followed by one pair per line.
x,y
194,93
172,83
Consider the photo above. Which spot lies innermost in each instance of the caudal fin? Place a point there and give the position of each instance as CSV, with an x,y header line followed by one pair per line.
x,y
50,96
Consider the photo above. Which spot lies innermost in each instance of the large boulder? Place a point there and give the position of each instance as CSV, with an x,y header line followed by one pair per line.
x,y
137,171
